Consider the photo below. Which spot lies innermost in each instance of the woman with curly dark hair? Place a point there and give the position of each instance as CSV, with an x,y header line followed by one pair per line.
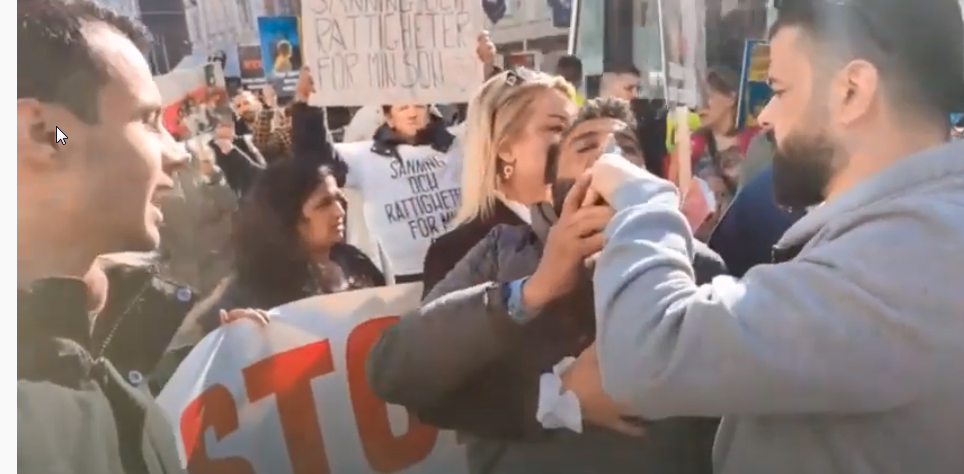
x,y
287,246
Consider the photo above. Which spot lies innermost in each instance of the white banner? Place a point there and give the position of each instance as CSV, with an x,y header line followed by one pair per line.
x,y
292,397
415,51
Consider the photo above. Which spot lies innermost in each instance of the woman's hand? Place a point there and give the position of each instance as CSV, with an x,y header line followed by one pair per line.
x,y
305,86
260,317
577,236
269,96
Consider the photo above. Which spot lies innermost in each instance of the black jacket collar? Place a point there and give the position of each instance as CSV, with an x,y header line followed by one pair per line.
x,y
436,135
54,308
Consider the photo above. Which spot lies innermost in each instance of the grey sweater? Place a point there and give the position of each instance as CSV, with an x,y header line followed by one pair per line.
x,y
847,359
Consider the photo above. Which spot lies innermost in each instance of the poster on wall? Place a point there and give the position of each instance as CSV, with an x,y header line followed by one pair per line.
x,y
755,92
281,53
195,100
682,28
392,53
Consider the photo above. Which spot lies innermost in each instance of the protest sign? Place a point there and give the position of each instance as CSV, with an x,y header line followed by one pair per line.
x,y
755,92
281,54
419,51
683,41
251,66
194,100
293,397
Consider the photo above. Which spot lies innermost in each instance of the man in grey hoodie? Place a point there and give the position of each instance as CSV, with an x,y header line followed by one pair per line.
x,y
848,355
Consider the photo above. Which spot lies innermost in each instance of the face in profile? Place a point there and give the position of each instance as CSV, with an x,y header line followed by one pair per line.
x,y
246,105
624,86
526,150
720,107
322,222
583,145
807,153
110,177
407,119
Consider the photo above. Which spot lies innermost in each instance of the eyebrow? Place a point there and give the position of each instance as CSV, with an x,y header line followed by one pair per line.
x,y
145,108
560,117
584,136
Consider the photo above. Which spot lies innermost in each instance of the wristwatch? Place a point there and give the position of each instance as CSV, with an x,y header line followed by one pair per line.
x,y
512,292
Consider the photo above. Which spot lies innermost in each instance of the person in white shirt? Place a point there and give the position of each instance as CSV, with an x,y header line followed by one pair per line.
x,y
408,177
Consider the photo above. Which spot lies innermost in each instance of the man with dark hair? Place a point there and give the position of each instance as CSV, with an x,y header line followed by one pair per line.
x,y
508,399
81,70
620,81
570,68
845,355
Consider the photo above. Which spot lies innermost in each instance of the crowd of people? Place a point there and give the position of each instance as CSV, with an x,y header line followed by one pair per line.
x,y
790,310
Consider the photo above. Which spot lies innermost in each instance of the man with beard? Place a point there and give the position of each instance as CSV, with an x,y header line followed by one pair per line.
x,y
845,357
81,68
264,120
482,353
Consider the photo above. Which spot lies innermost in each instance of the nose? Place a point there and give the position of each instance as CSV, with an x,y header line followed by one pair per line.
x,y
174,156
763,119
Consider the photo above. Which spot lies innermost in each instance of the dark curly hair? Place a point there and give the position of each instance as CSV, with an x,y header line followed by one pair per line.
x,y
269,254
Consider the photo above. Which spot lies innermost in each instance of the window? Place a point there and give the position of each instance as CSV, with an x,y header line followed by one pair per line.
x,y
244,14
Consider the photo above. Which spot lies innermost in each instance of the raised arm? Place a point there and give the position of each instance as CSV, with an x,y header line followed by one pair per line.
x,y
820,334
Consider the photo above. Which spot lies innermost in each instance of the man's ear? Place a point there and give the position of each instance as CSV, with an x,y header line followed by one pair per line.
x,y
37,125
36,138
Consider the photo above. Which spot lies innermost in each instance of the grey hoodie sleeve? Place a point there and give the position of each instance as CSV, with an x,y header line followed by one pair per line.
x,y
807,336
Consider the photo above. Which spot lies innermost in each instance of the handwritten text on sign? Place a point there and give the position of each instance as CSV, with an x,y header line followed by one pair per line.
x,y
392,51
429,208
293,397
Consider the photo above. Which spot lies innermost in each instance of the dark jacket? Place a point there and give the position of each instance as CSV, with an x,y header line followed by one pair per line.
x,y
311,140
142,313
75,412
241,165
448,249
234,294
459,362
751,226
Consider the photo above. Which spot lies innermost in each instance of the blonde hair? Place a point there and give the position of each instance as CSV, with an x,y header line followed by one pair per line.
x,y
496,113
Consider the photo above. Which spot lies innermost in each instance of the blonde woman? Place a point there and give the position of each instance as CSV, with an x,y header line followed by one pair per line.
x,y
512,123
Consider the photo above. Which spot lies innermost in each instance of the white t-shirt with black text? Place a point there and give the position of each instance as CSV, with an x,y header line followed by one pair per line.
x,y
408,201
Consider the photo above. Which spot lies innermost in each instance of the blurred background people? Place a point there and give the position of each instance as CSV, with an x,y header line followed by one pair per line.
x,y
287,246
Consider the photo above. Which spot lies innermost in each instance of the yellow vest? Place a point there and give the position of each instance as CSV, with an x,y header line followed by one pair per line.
x,y
692,118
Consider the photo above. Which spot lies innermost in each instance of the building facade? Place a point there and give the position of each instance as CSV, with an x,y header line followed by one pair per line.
x,y
127,7
528,26
167,22
216,25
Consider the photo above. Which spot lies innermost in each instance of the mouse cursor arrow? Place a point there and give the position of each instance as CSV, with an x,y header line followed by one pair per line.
x,y
61,136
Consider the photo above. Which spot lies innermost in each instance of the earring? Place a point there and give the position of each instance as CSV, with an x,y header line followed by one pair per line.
x,y
507,170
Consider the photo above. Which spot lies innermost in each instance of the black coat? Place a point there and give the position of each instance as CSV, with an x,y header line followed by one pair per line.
x,y
75,412
142,313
